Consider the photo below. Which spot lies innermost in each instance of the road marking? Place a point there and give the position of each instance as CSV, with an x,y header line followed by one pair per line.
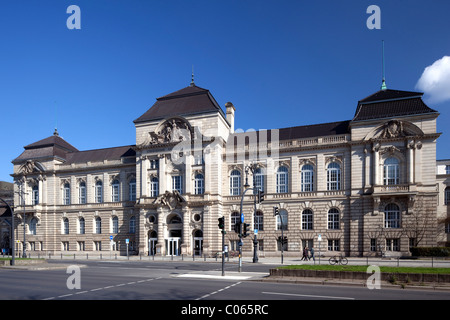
x,y
217,291
307,295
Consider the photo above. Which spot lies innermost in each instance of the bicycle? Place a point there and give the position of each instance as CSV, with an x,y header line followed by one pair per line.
x,y
338,260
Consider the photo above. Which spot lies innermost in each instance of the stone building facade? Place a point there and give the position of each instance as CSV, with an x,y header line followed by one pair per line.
x,y
367,185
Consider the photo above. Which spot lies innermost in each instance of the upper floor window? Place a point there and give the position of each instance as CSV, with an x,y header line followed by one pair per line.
x,y
333,219
98,225
33,224
447,169
82,193
447,196
282,180
307,178
177,184
258,221
154,187
334,176
82,226
66,193
115,196
307,220
235,183
282,220
35,194
392,216
99,191
65,226
199,184
132,190
391,171
258,179
115,224
133,224
154,163
234,218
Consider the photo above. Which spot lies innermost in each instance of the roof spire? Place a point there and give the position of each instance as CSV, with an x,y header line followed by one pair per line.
x,y
192,77
383,83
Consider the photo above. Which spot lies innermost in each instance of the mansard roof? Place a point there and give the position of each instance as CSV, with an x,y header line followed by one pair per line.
x,y
98,155
391,103
187,101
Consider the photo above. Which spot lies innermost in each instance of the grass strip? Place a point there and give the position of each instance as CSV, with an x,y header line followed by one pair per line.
x,y
364,269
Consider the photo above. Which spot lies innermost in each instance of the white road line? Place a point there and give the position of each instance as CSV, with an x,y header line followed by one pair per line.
x,y
307,295
217,291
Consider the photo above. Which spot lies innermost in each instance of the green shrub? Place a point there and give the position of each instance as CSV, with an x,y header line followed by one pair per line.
x,y
430,251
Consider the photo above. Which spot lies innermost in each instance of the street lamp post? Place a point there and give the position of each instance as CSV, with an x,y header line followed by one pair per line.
x,y
13,245
22,193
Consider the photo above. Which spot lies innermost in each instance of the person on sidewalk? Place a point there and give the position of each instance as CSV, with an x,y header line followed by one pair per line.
x,y
305,254
312,254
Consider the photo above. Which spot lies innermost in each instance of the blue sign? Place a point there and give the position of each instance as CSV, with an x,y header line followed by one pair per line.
x,y
111,237
242,217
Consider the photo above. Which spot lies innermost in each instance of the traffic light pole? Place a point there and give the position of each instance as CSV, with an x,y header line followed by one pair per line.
x,y
223,252
240,229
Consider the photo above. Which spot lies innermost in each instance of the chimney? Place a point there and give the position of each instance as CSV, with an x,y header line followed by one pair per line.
x,y
230,115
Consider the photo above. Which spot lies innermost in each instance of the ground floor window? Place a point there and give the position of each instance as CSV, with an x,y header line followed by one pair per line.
x,y
392,244
373,245
334,245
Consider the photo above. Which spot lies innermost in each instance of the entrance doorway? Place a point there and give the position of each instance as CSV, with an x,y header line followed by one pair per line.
x,y
198,243
173,246
152,241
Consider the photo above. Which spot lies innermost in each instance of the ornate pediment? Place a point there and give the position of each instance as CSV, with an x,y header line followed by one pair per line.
x,y
394,129
31,167
175,129
170,199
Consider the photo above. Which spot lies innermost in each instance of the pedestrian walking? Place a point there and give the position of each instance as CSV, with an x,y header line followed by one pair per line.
x,y
312,254
305,254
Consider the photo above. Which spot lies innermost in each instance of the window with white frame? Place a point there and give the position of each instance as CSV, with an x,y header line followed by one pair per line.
x,y
282,179
177,183
258,179
81,226
115,224
307,178
32,226
65,226
234,218
199,184
132,224
391,171
99,191
82,192
333,219
235,183
334,245
98,225
258,221
447,169
115,191
447,196
392,216
66,193
333,176
154,187
132,190
392,244
35,194
307,220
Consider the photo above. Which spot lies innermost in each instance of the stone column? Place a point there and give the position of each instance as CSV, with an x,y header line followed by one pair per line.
x,y
376,164
160,246
186,245
144,176
143,241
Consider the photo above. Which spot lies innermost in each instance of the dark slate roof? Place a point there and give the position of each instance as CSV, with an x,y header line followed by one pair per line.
x,y
53,146
391,103
189,100
308,131
96,155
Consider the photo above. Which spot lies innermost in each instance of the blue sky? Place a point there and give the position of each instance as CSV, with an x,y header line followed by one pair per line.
x,y
282,63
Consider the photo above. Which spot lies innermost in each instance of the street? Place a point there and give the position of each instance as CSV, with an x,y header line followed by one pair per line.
x,y
170,280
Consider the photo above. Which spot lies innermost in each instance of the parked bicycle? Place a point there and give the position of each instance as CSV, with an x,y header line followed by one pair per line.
x,y
338,260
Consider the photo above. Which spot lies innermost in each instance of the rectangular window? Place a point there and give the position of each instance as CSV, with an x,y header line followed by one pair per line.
x,y
373,245
447,169
334,245
392,245
177,184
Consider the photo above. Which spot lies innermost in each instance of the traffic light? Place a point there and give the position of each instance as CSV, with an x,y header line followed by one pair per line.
x,y
246,228
276,211
221,223
260,196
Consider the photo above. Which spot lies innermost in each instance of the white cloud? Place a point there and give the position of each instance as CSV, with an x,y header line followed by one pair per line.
x,y
435,81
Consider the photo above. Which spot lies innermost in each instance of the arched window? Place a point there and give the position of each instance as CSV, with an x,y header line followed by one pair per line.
x,y
98,225
333,219
307,220
334,176
282,220
35,194
82,226
258,179
258,221
66,193
115,195
132,190
133,224
199,184
82,193
447,196
307,178
154,187
115,225
99,191
282,180
65,226
391,171
235,183
392,216
33,224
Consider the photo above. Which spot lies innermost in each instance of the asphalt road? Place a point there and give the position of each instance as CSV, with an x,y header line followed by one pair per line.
x,y
193,281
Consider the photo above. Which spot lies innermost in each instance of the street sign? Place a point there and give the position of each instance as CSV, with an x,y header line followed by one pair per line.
x,y
127,240
255,231
242,217
111,237
319,238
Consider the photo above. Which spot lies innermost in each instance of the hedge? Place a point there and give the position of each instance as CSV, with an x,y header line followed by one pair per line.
x,y
430,251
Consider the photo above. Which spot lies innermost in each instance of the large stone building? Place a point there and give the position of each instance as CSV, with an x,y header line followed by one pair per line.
x,y
367,185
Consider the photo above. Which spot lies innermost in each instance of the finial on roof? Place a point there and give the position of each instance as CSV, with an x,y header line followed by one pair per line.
x,y
56,132
192,77
383,83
